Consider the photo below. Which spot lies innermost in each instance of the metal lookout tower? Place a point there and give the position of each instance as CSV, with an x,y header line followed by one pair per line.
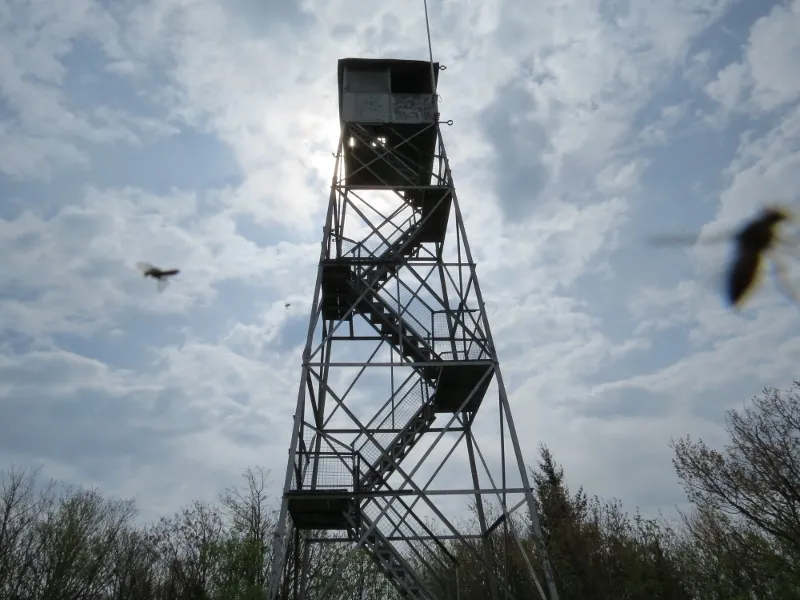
x,y
398,371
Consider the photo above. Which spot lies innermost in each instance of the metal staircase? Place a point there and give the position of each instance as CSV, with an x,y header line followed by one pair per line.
x,y
383,262
397,331
381,469
405,339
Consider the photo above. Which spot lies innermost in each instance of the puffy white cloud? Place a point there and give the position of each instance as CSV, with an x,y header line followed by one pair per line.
x,y
199,135
764,79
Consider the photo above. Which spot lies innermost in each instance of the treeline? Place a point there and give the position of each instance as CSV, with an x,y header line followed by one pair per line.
x,y
740,539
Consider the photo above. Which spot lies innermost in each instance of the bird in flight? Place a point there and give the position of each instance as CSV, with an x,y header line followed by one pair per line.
x,y
160,275
754,244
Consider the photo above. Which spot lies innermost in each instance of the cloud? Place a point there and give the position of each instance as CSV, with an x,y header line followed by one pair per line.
x,y
40,43
763,79
199,135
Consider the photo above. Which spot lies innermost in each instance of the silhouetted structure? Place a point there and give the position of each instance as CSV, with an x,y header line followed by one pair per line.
x,y
399,359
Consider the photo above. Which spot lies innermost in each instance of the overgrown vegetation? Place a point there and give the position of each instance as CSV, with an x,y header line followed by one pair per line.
x,y
740,540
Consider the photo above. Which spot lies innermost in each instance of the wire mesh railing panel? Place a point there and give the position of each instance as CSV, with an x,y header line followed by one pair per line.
x,y
325,471
308,441
462,343
414,312
389,416
441,326
308,436
355,250
397,415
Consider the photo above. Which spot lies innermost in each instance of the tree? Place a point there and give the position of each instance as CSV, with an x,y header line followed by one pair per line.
x,y
135,569
22,506
188,546
246,549
757,478
743,536
721,558
597,549
69,548
568,535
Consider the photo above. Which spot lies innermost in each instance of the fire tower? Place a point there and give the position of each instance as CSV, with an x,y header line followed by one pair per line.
x,y
398,365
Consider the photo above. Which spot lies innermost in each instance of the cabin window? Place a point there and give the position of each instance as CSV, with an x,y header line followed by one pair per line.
x,y
368,82
411,81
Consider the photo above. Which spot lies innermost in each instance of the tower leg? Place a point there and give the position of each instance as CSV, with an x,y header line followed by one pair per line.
x,y
281,539
488,556
534,513
506,408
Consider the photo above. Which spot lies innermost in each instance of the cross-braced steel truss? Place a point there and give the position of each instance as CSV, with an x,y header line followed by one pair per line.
x,y
397,370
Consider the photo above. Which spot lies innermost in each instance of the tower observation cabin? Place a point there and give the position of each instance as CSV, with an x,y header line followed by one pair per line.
x,y
389,105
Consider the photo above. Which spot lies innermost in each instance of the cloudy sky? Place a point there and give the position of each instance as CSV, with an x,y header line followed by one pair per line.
x,y
198,134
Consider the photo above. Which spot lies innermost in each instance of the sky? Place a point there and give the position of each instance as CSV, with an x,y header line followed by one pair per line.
x,y
198,134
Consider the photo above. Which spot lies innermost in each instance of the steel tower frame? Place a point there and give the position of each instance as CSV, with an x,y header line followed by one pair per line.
x,y
398,339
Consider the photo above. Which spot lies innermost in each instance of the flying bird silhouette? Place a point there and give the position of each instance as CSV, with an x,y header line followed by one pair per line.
x,y
160,275
754,245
